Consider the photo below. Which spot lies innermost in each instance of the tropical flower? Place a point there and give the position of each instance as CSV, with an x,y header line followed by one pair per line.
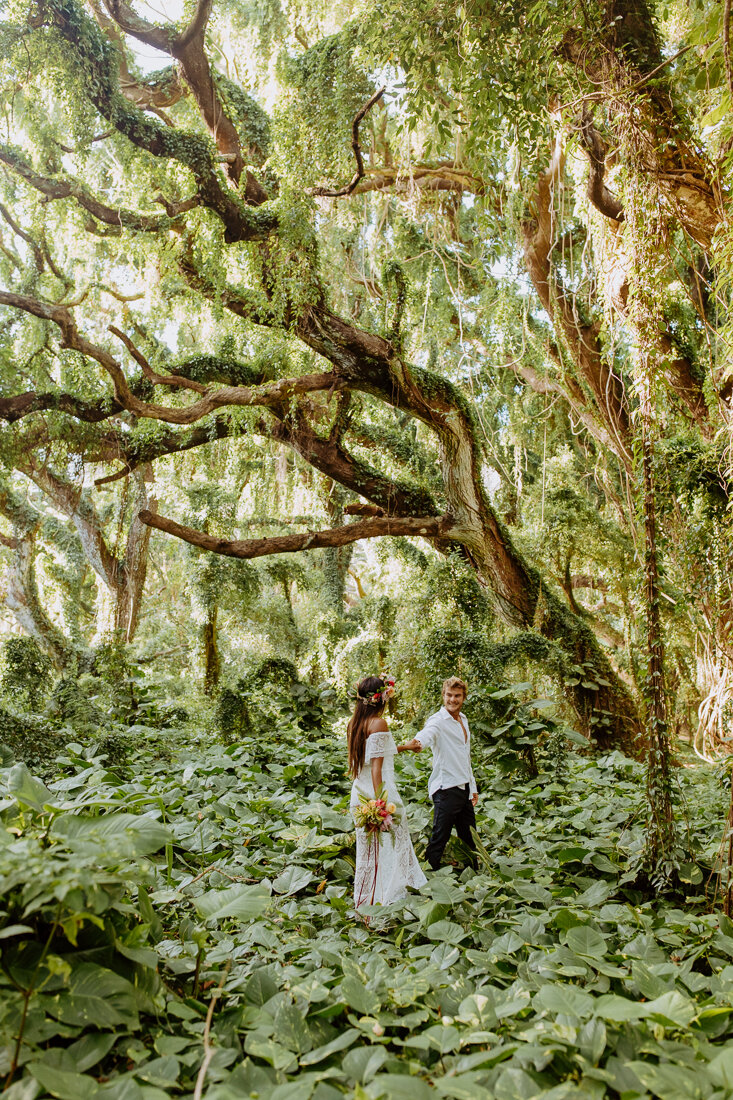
x,y
376,815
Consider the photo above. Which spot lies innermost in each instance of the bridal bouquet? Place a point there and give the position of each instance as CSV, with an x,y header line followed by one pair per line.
x,y
376,815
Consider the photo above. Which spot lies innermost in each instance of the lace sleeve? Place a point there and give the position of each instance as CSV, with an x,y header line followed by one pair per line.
x,y
379,744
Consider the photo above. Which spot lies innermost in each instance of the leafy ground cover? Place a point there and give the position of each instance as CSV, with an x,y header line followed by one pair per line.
x,y
183,926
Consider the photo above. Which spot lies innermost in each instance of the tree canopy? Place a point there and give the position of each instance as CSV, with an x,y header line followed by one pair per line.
x,y
454,270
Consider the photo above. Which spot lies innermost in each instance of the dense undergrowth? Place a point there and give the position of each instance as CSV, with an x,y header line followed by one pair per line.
x,y
180,923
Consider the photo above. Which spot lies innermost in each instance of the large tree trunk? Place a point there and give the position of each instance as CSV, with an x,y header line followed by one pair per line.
x,y
22,598
660,825
131,574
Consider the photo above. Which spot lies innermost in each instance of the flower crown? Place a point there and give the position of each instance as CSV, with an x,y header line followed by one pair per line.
x,y
374,699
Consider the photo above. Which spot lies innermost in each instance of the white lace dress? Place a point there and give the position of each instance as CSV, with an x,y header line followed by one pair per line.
x,y
383,870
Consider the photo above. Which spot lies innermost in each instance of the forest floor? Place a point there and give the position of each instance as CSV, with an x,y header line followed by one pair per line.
x,y
183,926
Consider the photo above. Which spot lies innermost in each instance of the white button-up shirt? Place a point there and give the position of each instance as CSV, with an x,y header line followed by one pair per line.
x,y
451,751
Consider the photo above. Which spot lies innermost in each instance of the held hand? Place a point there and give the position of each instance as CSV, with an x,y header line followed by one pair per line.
x,y
410,746
474,798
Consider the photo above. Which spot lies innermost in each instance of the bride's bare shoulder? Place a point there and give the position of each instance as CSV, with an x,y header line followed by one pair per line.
x,y
378,725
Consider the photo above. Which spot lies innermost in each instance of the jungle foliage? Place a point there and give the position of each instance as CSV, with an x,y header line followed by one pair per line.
x,y
340,338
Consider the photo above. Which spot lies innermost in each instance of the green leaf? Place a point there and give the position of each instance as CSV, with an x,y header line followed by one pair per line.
x,y
90,1049
241,901
61,1083
669,1082
720,1068
27,789
609,1006
357,996
160,1071
586,941
392,1086
341,1042
363,1063
277,1055
591,1040
565,999
291,1030
11,930
96,997
292,880
672,1007
117,835
690,872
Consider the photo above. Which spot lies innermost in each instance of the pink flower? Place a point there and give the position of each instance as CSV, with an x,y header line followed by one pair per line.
x,y
386,823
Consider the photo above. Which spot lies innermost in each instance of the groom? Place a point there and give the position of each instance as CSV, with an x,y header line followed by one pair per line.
x,y
452,786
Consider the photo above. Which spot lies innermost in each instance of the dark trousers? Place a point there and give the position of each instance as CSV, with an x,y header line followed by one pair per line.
x,y
452,806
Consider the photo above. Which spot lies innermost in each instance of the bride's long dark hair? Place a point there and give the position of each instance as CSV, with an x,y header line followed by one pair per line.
x,y
364,711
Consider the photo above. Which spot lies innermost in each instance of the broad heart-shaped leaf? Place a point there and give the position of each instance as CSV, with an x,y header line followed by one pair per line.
x,y
96,997
609,1006
586,941
291,1030
721,1068
114,835
394,1086
672,1007
671,1081
277,1055
341,1042
123,1088
591,1040
291,880
515,1084
364,1062
90,1049
358,996
27,789
62,1084
566,999
241,901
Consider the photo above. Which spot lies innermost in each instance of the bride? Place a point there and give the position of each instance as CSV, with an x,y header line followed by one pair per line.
x,y
386,864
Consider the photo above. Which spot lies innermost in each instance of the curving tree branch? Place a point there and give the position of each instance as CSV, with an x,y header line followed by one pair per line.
x,y
603,199
53,190
356,148
430,527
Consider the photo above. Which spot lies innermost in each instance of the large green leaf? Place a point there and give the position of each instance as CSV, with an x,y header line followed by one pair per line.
x,y
609,1006
241,901
96,997
63,1084
27,789
672,1007
363,1063
117,835
391,1086
341,1042
291,1029
584,940
292,880
358,996
565,999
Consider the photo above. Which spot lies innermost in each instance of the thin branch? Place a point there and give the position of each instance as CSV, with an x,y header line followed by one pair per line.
x,y
267,395
157,379
356,148
209,1050
431,527
34,247
64,189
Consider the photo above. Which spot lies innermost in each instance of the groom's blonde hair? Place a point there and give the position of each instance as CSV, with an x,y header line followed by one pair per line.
x,y
454,683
